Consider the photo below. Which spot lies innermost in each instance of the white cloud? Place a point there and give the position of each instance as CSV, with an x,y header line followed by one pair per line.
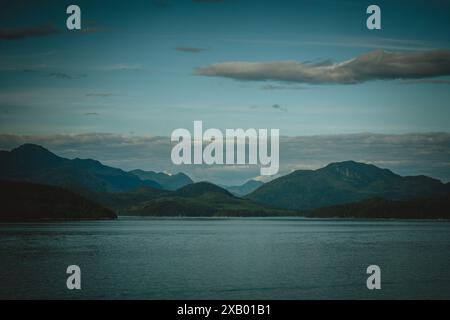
x,y
375,65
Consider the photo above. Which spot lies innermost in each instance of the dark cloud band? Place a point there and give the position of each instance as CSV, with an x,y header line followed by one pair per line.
x,y
22,33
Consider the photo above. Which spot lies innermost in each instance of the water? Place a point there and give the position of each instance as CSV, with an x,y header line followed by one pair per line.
x,y
241,258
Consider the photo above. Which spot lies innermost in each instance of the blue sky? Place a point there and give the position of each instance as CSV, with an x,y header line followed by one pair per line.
x,y
309,68
124,74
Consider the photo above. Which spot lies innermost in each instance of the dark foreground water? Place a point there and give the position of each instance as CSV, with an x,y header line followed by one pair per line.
x,y
242,258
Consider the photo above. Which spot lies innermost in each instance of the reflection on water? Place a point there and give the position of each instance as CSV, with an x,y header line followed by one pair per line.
x,y
240,258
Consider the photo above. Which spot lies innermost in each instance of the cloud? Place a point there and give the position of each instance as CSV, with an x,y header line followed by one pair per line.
x,y
375,65
125,67
66,76
22,33
99,94
274,106
43,70
281,87
190,49
406,154
60,75
278,107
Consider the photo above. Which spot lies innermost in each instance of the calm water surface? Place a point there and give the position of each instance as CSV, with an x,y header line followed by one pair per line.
x,y
241,258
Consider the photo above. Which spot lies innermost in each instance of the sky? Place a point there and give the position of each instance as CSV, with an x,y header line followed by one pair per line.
x,y
145,68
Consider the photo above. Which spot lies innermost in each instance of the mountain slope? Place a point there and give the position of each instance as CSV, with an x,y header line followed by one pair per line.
x,y
244,189
121,201
23,201
428,208
200,188
202,199
34,163
168,182
343,182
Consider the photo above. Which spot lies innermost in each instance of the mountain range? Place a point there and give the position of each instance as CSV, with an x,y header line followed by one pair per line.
x,y
34,163
166,181
344,182
340,189
244,189
202,199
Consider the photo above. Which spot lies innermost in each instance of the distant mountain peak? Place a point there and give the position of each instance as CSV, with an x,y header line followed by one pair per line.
x,y
253,182
345,163
350,164
167,181
180,174
343,182
31,148
28,157
35,163
199,188
360,170
246,188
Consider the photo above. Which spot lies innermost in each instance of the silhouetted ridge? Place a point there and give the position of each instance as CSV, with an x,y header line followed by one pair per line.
x,y
200,188
34,163
21,201
343,182
30,157
202,199
426,208
167,181
244,189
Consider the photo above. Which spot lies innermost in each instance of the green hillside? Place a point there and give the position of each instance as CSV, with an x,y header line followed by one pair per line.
x,y
202,199
343,182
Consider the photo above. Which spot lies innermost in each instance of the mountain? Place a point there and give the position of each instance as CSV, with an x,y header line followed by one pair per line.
x,y
134,193
202,199
244,189
167,181
424,208
24,201
343,182
121,201
34,163
201,188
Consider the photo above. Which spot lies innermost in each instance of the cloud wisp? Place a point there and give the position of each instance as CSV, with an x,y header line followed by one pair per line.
x,y
190,49
43,31
281,87
278,107
375,65
124,67
65,76
22,33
